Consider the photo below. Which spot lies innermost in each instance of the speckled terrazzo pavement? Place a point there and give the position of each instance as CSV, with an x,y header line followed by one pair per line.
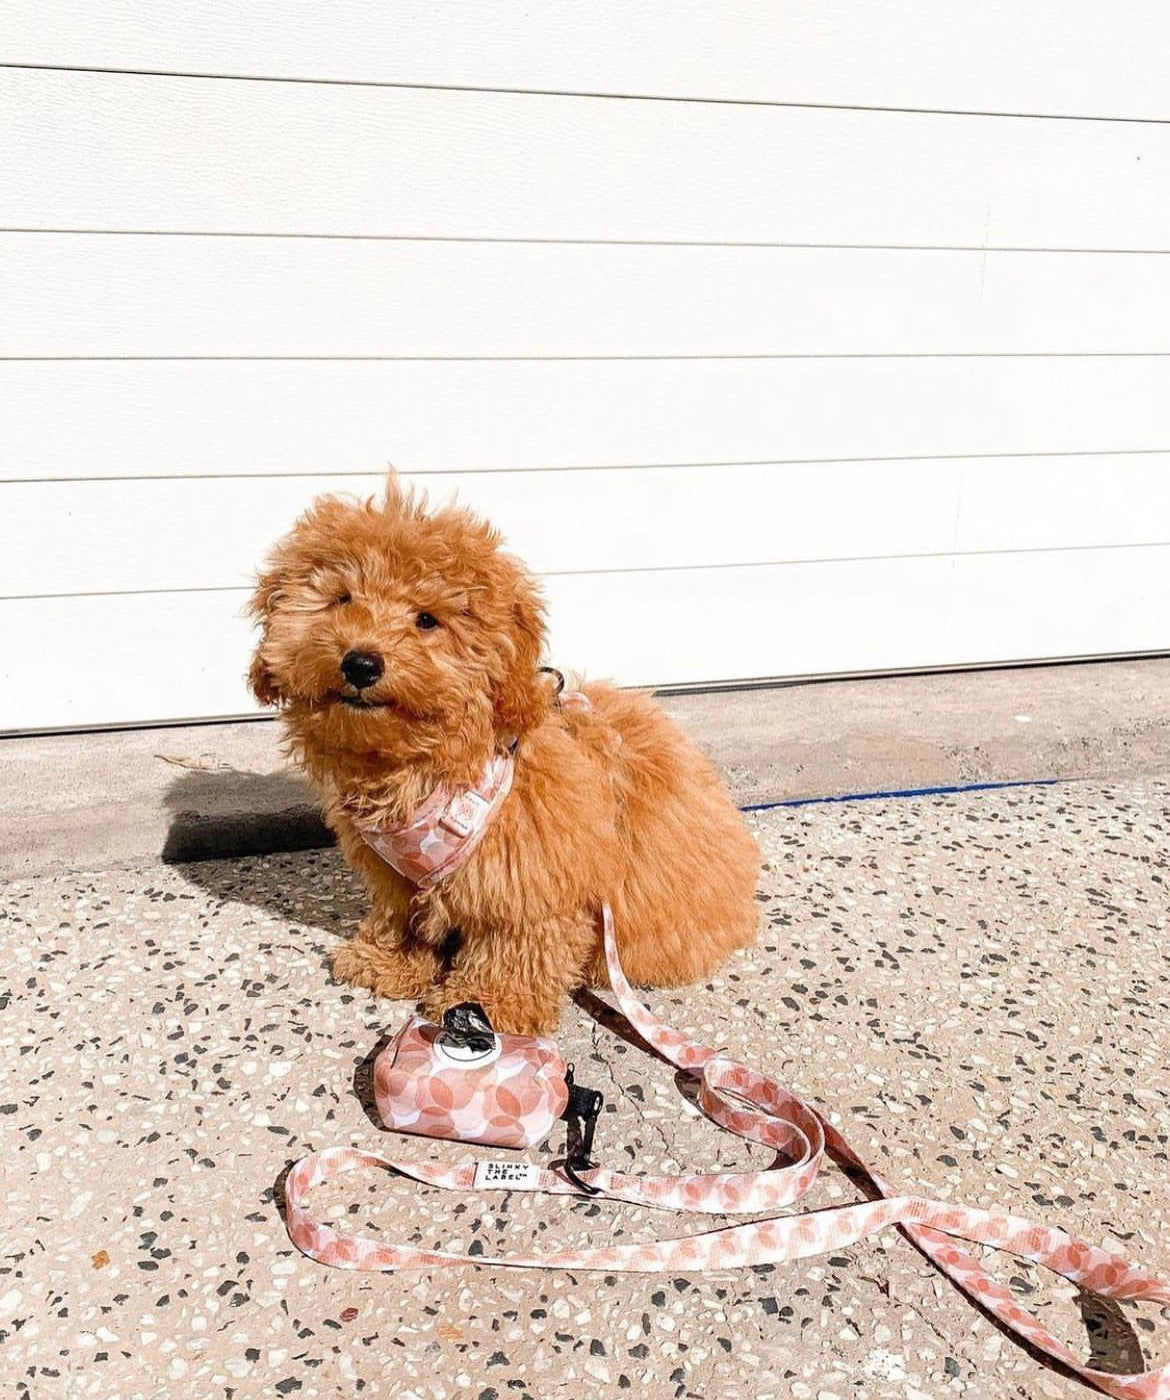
x,y
976,985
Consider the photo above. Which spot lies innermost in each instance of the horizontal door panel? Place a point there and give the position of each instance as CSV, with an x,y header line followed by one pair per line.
x,y
133,419
129,536
645,628
197,155
107,295
1079,58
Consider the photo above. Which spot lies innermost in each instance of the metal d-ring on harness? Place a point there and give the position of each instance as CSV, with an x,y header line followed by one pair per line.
x,y
560,675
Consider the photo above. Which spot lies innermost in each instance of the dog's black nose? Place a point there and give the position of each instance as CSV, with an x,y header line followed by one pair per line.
x,y
361,668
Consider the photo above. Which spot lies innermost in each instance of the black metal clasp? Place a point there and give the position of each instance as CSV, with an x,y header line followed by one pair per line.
x,y
581,1113
552,671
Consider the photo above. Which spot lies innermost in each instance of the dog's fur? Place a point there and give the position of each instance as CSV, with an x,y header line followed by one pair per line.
x,y
612,804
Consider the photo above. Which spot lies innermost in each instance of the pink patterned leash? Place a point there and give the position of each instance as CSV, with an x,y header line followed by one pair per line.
x,y
754,1107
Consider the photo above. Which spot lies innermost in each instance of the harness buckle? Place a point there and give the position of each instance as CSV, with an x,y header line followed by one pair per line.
x,y
464,813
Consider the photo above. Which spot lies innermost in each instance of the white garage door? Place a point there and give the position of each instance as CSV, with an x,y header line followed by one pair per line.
x,y
782,338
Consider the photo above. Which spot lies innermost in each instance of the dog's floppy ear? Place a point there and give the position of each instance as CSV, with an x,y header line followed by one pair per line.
x,y
523,696
261,681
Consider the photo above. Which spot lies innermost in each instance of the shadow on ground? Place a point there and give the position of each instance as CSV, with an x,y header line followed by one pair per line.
x,y
224,813
1114,1345
303,881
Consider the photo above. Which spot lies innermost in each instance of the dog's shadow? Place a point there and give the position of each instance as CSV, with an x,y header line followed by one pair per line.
x,y
363,1082
224,813
219,816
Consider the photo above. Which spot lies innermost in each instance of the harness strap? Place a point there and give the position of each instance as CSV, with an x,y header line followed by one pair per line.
x,y
755,1107
446,828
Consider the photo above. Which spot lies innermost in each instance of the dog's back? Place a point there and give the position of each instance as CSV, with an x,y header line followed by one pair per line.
x,y
686,896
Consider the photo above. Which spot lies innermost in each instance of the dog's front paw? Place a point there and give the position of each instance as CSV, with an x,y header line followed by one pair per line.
x,y
395,974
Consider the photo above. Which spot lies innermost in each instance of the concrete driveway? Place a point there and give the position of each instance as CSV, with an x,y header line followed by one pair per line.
x,y
975,985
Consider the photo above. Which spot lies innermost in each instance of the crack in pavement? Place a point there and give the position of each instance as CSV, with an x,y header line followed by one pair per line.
x,y
607,1066
931,1323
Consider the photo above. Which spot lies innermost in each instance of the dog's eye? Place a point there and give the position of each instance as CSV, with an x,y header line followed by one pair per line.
x,y
426,621
342,599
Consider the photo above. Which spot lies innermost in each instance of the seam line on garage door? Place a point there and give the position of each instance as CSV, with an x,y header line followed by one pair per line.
x,y
603,359
592,359
419,476
582,93
653,568
574,242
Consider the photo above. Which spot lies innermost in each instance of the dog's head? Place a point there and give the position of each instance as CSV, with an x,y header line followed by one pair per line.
x,y
392,631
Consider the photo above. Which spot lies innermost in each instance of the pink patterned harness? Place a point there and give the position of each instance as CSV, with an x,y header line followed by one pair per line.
x,y
445,829
754,1107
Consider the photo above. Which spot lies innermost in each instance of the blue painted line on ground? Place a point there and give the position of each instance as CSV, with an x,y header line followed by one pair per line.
x,y
901,792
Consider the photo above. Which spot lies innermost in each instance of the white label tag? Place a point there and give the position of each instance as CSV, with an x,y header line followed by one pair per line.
x,y
516,1176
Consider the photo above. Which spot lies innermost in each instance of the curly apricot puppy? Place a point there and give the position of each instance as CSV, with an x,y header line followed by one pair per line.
x,y
403,648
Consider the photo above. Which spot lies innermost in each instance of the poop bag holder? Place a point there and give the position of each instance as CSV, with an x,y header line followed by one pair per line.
x,y
464,1081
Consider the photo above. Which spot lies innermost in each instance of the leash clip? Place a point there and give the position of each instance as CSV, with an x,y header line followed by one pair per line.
x,y
581,1113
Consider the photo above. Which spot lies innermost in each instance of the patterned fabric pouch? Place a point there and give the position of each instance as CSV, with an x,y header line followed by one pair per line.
x,y
463,1081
